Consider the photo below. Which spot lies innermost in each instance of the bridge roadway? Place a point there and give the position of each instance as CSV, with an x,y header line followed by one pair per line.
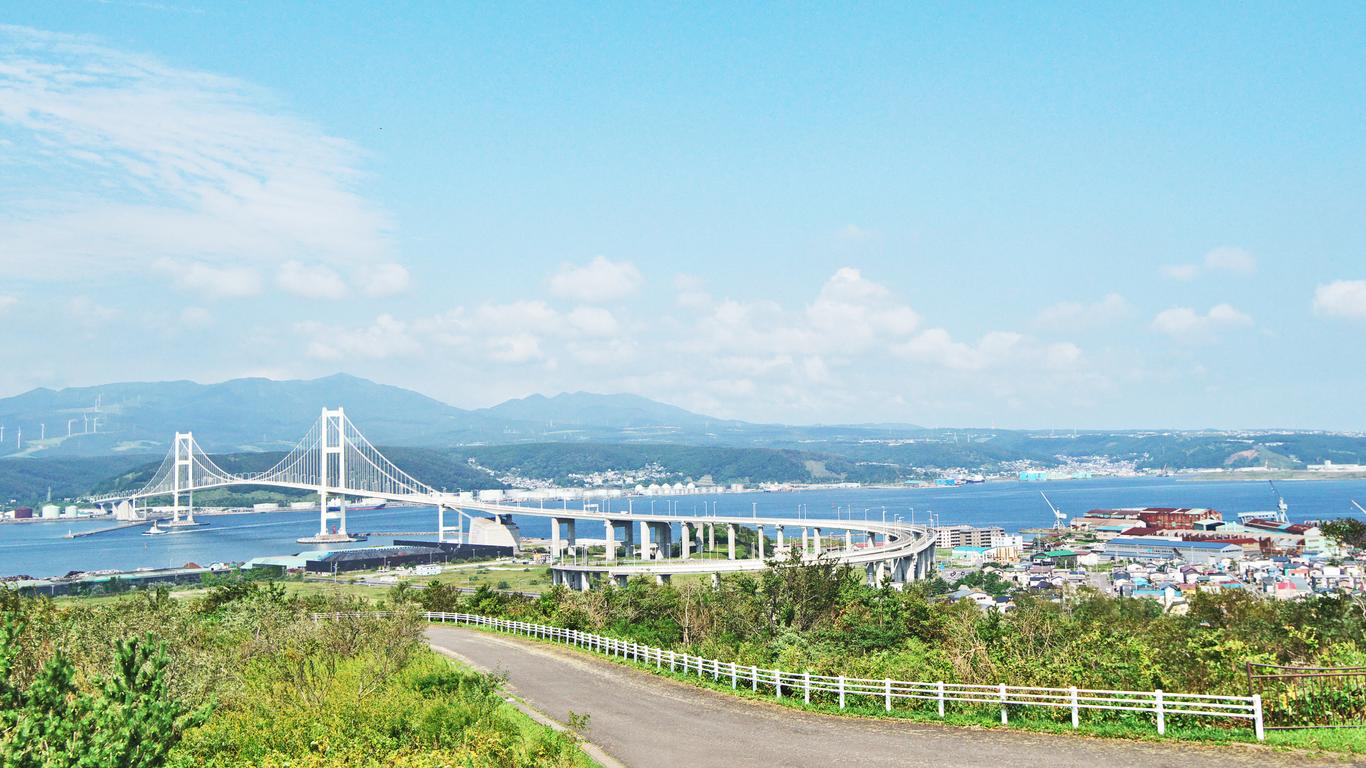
x,y
905,552
335,460
641,719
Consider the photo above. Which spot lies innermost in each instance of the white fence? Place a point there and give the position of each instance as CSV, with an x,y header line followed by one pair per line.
x,y
1158,703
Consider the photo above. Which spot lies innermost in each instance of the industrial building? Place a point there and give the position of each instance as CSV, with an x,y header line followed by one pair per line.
x,y
1158,549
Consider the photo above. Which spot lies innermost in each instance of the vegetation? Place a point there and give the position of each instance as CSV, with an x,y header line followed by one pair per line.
x,y
823,619
1346,531
557,461
244,676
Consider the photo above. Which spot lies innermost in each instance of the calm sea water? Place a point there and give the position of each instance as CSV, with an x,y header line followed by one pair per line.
x,y
39,549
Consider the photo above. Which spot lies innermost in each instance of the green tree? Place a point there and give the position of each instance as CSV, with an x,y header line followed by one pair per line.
x,y
1347,531
128,720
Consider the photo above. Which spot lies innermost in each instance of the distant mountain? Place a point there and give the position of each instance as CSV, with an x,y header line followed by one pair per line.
x,y
586,409
237,415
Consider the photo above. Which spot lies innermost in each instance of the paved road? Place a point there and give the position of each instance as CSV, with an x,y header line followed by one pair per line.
x,y
646,720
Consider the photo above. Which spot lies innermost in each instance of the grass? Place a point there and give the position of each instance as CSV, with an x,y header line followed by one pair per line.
x,y
1350,741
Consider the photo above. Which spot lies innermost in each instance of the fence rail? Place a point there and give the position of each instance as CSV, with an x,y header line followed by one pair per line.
x,y
1310,697
887,692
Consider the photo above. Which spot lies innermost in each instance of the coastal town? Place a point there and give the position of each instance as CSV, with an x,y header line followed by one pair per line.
x,y
1160,553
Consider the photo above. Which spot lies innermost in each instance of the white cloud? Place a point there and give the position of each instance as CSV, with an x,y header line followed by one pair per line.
x,y
384,280
691,292
386,337
121,160
1230,259
1341,298
212,280
6,302
1225,258
1187,325
594,321
854,349
1079,315
196,317
310,281
997,349
1182,272
88,312
598,281
853,233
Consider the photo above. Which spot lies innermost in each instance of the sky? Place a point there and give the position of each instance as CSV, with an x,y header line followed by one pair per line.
x,y
997,215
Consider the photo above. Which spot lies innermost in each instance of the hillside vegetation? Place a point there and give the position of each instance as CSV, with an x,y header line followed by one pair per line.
x,y
245,677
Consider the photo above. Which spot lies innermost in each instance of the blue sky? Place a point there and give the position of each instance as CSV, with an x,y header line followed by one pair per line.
x,y
1009,215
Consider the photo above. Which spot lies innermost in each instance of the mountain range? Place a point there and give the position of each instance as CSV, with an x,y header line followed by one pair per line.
x,y
257,414
540,436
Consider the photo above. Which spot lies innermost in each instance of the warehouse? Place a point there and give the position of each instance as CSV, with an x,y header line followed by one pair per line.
x,y
1158,549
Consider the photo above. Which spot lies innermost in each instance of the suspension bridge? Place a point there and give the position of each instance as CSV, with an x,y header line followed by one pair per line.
x,y
336,461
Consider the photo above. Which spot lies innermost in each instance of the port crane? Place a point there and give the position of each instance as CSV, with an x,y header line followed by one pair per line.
x,y
1059,519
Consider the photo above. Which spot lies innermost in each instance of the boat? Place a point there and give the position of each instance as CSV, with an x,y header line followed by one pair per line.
x,y
155,530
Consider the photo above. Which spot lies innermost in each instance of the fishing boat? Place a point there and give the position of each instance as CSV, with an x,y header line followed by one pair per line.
x,y
155,530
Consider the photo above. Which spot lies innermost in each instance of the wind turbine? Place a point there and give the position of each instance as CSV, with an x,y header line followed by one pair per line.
x,y
1058,517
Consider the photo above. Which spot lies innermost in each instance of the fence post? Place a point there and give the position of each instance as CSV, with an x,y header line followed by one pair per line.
x,y
671,661
734,675
1076,709
1161,712
1257,716
715,670
806,687
754,678
841,691
941,698
777,683
889,694
659,658
1004,717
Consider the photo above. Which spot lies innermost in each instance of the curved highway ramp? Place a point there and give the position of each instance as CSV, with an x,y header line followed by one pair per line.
x,y
646,720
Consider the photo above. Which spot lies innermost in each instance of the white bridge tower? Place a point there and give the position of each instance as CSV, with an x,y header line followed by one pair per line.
x,y
332,473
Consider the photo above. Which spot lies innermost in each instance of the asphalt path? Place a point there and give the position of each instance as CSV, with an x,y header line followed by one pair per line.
x,y
641,719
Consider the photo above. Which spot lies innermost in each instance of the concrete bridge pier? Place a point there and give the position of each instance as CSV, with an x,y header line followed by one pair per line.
x,y
759,529
730,540
685,534
711,537
585,581
662,578
628,539
620,579
817,541
610,538
646,548
662,535
848,540
779,548
806,541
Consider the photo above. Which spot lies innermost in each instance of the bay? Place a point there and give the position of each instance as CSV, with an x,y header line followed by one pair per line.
x,y
41,549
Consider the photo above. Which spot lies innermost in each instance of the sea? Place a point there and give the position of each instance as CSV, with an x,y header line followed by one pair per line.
x,y
42,549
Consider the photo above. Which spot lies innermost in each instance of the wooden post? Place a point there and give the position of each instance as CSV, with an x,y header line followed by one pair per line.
x,y
1004,717
1076,709
1161,712
841,691
941,698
